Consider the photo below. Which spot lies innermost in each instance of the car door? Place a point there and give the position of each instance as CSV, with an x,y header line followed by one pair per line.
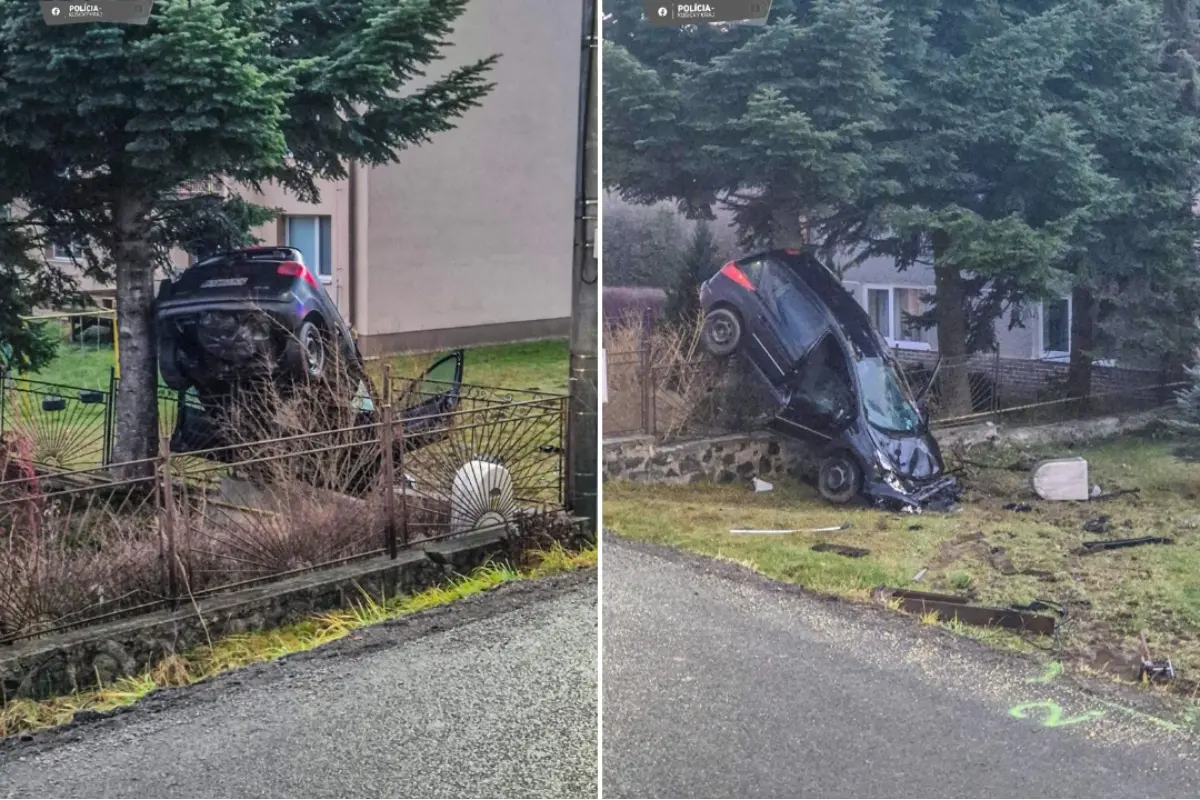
x,y
427,402
821,401
791,323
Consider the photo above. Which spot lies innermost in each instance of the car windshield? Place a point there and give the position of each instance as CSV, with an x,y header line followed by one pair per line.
x,y
885,397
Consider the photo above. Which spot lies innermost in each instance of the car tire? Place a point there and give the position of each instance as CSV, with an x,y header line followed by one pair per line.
x,y
168,364
307,353
839,477
721,334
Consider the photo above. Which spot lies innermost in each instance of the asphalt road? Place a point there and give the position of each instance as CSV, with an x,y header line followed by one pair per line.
x,y
718,683
494,696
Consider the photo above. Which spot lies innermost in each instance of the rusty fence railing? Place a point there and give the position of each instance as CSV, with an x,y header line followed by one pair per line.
x,y
86,544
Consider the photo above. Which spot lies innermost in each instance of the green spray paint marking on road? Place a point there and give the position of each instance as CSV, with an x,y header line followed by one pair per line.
x,y
1053,713
1052,672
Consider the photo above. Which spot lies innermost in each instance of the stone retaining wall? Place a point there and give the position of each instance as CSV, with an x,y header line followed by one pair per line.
x,y
738,457
76,660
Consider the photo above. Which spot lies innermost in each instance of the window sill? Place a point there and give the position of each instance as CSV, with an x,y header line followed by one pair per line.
x,y
901,344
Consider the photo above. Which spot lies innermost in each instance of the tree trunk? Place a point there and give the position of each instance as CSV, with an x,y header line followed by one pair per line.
x,y
136,429
1083,342
954,378
787,229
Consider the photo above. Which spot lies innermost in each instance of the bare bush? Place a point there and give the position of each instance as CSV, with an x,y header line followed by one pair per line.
x,y
689,393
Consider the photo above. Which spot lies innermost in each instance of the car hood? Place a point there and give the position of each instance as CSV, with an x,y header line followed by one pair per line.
x,y
915,456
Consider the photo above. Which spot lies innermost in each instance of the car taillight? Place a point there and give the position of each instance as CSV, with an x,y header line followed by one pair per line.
x,y
734,274
297,270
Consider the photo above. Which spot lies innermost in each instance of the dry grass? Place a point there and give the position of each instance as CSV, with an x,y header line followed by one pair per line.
x,y
24,716
1112,596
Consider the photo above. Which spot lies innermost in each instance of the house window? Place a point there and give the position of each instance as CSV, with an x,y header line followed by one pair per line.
x,y
1056,328
312,236
63,252
891,309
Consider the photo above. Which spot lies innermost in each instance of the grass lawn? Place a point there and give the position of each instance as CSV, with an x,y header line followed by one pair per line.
x,y
1112,596
541,365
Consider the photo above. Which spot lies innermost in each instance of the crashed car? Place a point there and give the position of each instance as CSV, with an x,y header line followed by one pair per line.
x,y
258,314
246,311
836,382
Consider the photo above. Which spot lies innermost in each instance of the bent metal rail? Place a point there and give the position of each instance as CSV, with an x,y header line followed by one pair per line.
x,y
89,542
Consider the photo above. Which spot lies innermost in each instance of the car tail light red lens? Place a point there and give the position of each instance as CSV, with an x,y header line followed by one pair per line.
x,y
734,274
297,270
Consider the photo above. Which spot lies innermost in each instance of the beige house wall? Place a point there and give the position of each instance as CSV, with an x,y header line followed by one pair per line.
x,y
469,237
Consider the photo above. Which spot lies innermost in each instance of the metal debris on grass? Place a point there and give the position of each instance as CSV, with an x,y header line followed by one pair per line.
x,y
1019,507
950,607
845,526
1116,544
762,486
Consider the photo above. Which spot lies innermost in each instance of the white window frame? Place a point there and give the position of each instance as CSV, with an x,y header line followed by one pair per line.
x,y
894,314
316,267
1053,355
1056,356
56,255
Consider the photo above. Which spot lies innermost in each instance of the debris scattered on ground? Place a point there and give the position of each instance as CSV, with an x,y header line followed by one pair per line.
x,y
1115,544
916,527
762,486
1041,605
1151,669
1061,479
919,575
1097,525
1112,494
1018,507
845,526
1096,491
841,550
950,607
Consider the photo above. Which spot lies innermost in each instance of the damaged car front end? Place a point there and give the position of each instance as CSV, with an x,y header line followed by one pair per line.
x,y
838,385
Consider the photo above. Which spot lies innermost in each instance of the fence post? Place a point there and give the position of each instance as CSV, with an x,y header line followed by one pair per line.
x,y
386,399
996,387
109,405
389,479
167,510
647,372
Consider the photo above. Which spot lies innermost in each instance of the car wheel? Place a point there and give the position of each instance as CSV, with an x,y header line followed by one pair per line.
x,y
839,478
314,348
722,332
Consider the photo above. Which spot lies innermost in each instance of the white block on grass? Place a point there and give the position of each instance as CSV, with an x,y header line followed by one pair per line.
x,y
1061,479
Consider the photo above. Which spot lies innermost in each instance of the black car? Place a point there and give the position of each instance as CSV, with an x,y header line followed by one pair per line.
x,y
245,312
833,375
258,314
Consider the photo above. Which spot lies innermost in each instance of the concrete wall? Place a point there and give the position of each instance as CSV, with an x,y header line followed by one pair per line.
x,y
474,230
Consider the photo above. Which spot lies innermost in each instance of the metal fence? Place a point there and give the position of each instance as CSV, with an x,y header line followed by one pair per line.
x,y
84,544
663,395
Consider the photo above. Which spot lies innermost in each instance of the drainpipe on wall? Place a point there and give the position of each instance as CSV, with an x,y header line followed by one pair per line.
x,y
352,267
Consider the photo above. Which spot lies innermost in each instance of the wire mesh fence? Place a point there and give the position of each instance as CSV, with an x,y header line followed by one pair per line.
x,y
667,390
86,543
